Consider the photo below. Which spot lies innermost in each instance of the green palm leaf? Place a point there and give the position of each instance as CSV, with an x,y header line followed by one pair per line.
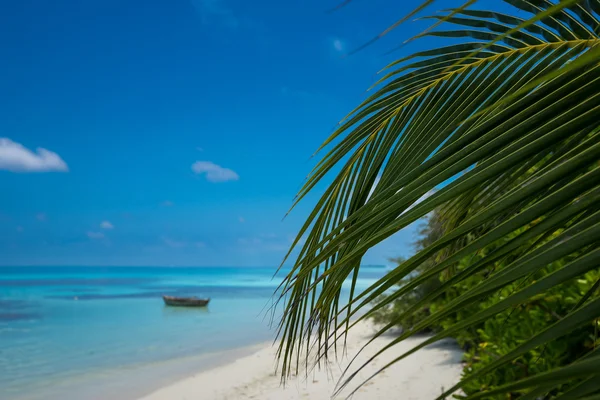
x,y
503,130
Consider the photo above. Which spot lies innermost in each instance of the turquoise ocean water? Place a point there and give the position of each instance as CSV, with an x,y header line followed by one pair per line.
x,y
97,333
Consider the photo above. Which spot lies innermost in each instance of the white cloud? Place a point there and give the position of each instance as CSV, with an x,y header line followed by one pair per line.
x,y
180,244
253,241
106,225
338,45
15,157
95,235
174,243
214,172
264,243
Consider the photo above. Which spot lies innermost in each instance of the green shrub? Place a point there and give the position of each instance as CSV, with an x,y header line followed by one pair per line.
x,y
499,335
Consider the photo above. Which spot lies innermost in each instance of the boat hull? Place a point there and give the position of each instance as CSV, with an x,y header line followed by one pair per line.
x,y
185,301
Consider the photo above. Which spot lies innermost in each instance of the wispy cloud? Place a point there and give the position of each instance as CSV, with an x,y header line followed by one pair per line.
x,y
251,241
41,216
176,244
95,235
268,242
167,203
106,225
181,244
15,157
214,172
242,220
338,45
212,11
20,229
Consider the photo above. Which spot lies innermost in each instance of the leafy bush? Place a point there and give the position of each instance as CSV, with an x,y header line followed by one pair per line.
x,y
502,333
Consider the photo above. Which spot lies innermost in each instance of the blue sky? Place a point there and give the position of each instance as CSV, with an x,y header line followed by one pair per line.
x,y
174,132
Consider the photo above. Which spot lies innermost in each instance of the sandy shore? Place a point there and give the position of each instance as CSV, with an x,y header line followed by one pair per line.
x,y
419,376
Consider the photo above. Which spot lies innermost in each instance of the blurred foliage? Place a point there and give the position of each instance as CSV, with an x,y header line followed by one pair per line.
x,y
501,334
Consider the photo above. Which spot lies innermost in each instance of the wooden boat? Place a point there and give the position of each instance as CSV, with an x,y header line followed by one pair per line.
x,y
185,301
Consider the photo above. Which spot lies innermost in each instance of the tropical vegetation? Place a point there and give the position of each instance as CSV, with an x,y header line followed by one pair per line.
x,y
496,136
498,335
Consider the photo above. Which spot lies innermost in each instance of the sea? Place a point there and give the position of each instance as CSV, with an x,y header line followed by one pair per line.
x,y
88,333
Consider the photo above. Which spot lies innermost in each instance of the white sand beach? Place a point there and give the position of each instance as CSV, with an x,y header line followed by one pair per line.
x,y
420,376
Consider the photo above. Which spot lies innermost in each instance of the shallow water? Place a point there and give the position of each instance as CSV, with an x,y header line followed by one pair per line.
x,y
71,328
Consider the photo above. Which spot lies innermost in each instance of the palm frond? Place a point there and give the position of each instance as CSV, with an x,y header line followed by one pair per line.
x,y
503,129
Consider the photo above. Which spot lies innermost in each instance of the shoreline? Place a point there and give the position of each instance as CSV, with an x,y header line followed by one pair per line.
x,y
252,376
137,380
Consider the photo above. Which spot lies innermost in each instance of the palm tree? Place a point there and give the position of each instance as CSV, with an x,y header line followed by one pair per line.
x,y
504,129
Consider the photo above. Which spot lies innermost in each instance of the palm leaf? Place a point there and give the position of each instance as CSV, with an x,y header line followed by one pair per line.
x,y
503,128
